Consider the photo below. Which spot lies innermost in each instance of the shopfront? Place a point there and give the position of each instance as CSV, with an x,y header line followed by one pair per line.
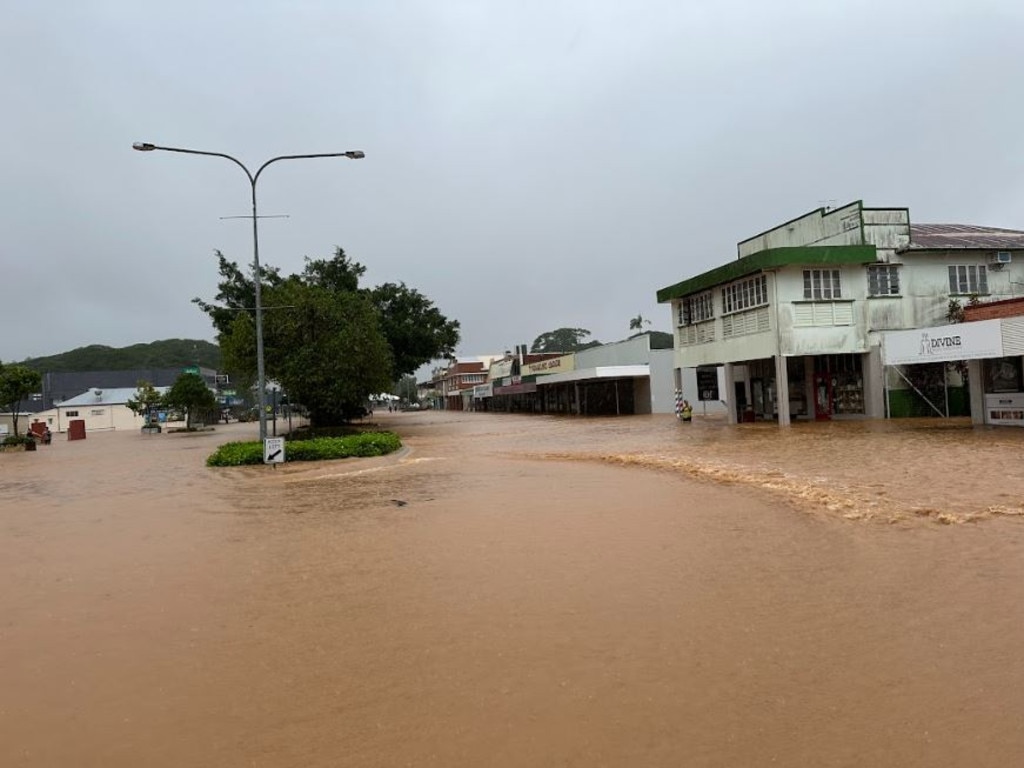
x,y
993,351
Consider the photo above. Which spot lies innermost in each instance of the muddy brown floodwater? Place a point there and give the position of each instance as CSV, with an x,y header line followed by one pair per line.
x,y
520,591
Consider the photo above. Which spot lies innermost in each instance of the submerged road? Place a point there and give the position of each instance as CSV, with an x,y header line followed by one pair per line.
x,y
519,591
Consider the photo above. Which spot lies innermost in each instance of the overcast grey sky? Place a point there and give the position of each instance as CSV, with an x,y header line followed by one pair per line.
x,y
529,165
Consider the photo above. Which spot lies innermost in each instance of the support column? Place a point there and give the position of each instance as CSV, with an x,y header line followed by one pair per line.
x,y
782,390
809,387
873,373
976,386
730,391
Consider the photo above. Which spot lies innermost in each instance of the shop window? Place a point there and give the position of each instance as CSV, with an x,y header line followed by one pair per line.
x,y
822,285
967,279
841,382
1003,375
883,280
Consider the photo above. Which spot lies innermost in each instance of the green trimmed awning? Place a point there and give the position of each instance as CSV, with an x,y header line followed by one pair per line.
x,y
773,258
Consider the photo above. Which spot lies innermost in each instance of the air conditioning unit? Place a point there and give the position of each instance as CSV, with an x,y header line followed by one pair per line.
x,y
1001,257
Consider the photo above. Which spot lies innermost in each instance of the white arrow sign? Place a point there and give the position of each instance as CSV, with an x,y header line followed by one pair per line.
x,y
273,450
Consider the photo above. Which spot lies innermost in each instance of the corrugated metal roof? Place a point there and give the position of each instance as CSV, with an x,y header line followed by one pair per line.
x,y
116,396
932,236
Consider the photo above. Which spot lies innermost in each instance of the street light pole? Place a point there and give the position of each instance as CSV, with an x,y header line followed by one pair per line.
x,y
253,178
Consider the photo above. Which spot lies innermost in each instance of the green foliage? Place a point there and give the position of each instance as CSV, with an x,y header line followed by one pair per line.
x,y
326,351
416,331
236,292
18,440
328,342
338,274
637,323
407,390
145,399
170,353
315,449
17,382
563,340
190,393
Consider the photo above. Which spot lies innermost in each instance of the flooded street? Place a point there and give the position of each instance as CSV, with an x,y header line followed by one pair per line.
x,y
520,591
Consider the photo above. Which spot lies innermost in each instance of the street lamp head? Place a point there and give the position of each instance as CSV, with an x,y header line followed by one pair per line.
x,y
355,154
143,146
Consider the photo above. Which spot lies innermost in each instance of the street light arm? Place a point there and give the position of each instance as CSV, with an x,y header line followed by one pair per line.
x,y
144,147
354,154
257,275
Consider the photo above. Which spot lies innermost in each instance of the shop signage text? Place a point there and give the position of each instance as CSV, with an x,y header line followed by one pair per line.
x,y
963,341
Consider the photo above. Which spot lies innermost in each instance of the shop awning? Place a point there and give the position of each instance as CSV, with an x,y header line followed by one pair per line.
x,y
516,389
601,372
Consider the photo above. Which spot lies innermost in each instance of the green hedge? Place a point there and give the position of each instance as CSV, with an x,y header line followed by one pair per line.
x,y
316,449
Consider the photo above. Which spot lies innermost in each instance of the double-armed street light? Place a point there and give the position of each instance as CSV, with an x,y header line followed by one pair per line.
x,y
253,178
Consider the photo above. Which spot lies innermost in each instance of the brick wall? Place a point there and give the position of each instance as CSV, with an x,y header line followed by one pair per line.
x,y
995,309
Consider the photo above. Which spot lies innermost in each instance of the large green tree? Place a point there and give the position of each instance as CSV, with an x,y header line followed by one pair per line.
x,y
190,393
563,340
236,292
17,382
327,341
416,330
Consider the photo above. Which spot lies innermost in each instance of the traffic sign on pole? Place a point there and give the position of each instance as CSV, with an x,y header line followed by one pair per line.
x,y
273,450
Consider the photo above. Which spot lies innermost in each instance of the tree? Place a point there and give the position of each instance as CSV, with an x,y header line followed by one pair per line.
x,y
326,350
17,382
145,399
415,329
190,393
407,390
328,357
563,340
637,323
168,353
236,292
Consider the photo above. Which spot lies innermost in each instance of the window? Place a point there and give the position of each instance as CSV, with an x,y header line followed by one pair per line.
x,y
696,309
71,413
822,284
883,280
745,294
967,279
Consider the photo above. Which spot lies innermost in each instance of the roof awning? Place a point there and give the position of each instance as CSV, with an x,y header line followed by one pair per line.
x,y
523,388
601,372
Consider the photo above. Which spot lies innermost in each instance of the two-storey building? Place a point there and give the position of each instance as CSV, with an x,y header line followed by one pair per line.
x,y
796,321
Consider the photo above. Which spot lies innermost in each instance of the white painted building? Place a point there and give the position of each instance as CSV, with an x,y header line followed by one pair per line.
x,y
795,321
100,409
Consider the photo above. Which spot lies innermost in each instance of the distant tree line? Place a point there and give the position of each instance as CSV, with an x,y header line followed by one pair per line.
x,y
169,353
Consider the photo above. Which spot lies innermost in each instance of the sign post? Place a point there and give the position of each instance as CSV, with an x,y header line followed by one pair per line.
x,y
707,384
273,450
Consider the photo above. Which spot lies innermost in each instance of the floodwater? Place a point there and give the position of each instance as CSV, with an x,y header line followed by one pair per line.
x,y
520,591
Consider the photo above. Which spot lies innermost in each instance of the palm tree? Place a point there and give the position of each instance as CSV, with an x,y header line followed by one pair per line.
x,y
637,323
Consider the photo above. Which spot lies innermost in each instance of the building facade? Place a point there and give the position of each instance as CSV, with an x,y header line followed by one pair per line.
x,y
795,322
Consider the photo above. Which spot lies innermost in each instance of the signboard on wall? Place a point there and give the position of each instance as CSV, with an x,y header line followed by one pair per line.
x,y
1006,409
707,384
943,343
551,365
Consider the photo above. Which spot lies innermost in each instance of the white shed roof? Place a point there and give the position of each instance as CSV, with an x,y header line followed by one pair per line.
x,y
115,396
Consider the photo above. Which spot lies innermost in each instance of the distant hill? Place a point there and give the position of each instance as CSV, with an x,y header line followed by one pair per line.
x,y
170,353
